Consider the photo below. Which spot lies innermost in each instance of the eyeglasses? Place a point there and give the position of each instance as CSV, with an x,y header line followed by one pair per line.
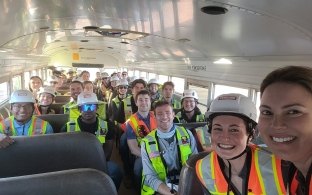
x,y
122,87
88,107
19,106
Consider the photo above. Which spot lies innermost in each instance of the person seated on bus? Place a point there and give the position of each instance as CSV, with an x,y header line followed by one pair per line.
x,y
5,141
122,87
103,91
71,108
113,89
88,87
124,75
35,82
235,166
46,98
137,127
285,122
85,76
164,151
190,113
70,76
97,81
153,88
167,95
23,122
103,130
53,82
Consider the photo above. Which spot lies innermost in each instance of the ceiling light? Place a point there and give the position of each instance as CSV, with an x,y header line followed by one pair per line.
x,y
223,61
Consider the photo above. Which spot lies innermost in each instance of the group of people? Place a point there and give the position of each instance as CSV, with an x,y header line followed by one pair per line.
x,y
154,148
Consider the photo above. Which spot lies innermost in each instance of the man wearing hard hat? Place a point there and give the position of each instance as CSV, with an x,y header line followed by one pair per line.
x,y
88,121
23,123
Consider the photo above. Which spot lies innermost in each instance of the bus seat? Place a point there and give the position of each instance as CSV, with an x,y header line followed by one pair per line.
x,y
62,99
189,183
58,107
63,90
68,182
5,112
57,121
54,152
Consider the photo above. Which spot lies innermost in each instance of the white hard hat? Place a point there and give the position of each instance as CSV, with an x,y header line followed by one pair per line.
x,y
114,78
236,104
47,89
122,82
153,81
20,96
87,98
190,93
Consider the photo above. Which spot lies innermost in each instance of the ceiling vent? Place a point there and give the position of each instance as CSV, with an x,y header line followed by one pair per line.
x,y
114,33
214,10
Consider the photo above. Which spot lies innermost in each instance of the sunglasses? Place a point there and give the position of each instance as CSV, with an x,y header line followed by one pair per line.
x,y
88,107
122,87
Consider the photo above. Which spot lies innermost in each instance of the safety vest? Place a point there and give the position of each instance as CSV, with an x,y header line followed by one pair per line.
x,y
176,104
101,132
71,108
265,171
152,149
199,117
101,110
116,101
138,126
294,184
37,126
127,107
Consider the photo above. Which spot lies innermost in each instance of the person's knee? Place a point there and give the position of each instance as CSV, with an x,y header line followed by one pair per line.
x,y
115,172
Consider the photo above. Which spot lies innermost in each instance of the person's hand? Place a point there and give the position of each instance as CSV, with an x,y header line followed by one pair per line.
x,y
173,187
5,141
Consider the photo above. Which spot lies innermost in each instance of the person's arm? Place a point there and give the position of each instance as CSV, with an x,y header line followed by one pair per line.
x,y
134,148
109,141
49,129
5,141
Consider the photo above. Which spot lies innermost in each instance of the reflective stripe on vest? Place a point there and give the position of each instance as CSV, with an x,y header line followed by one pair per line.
x,y
294,184
152,149
127,107
265,171
116,102
71,108
37,127
136,123
101,132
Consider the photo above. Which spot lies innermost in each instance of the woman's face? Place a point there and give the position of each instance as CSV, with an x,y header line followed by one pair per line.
x,y
228,136
35,84
285,121
45,99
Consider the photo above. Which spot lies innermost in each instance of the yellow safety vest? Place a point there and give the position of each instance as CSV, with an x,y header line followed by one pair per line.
x,y
152,149
101,110
127,107
199,117
37,126
71,108
265,176
100,133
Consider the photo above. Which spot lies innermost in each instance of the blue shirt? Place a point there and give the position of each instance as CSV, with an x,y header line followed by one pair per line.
x,y
23,129
130,131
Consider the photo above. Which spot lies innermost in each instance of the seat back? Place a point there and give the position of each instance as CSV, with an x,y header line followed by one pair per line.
x,y
58,107
62,99
189,183
53,152
57,121
68,182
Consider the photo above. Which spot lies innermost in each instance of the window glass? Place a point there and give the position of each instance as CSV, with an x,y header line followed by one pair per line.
x,y
17,82
151,76
258,101
130,73
137,73
4,93
143,74
163,78
178,84
222,89
26,79
202,97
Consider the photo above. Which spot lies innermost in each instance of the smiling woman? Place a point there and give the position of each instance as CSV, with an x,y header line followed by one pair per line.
x,y
285,121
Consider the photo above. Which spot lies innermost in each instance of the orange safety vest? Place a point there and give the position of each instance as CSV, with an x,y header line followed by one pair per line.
x,y
37,126
265,171
138,125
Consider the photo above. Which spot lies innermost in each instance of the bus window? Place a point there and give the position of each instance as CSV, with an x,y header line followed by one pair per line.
x,y
222,89
178,84
136,73
202,96
130,73
143,74
17,82
151,75
163,78
26,79
4,93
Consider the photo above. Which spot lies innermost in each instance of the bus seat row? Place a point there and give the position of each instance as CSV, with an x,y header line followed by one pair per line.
x,y
44,154
57,121
68,182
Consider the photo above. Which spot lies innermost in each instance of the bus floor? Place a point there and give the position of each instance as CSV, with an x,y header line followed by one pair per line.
x,y
122,189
